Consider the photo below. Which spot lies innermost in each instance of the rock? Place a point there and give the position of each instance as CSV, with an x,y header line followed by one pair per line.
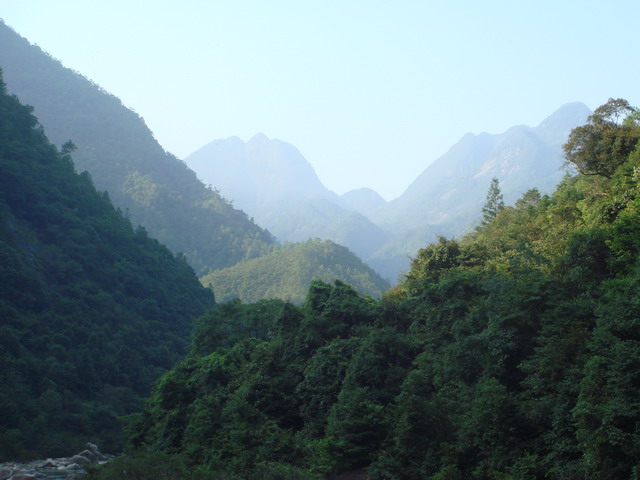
x,y
92,457
23,476
5,473
41,469
93,448
79,459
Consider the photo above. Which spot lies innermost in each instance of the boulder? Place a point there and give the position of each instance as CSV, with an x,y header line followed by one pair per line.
x,y
23,476
93,448
82,460
92,457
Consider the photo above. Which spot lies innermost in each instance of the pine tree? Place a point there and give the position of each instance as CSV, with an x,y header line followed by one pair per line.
x,y
494,203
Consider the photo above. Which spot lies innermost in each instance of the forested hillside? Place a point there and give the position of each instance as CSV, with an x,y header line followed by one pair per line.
x,y
114,145
287,272
92,311
511,353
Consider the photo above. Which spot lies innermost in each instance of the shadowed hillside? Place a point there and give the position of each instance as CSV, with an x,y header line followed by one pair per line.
x,y
116,147
92,311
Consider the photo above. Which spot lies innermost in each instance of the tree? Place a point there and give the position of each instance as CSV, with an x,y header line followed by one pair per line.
x,y
494,203
530,198
605,142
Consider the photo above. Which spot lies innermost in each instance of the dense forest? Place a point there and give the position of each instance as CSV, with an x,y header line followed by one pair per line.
x,y
116,147
510,353
287,272
92,311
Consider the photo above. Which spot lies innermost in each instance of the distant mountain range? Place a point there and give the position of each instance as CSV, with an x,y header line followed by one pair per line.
x,y
155,189
447,197
270,180
274,183
451,190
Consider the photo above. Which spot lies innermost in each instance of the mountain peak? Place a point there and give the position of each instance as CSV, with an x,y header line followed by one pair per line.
x,y
363,200
259,138
556,127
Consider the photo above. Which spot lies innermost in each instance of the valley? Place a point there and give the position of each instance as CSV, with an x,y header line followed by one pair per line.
x,y
227,316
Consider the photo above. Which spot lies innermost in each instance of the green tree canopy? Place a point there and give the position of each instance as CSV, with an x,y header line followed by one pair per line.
x,y
494,203
605,142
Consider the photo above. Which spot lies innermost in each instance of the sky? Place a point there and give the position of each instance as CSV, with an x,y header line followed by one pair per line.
x,y
370,92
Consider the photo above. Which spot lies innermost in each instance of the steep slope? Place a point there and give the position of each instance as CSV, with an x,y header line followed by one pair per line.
x,y
274,183
452,189
447,197
287,272
92,311
113,144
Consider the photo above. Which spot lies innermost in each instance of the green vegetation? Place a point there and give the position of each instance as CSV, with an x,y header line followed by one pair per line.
x,y
511,353
92,312
494,202
286,273
115,146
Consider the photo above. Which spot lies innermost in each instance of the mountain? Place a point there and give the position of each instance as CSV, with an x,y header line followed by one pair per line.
x,y
452,189
447,197
261,176
510,353
363,200
115,146
92,310
287,272
276,185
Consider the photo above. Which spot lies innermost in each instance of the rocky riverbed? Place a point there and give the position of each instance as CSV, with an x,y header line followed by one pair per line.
x,y
67,468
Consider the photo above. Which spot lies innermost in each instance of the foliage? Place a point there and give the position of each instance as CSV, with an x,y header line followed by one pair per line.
x,y
286,272
92,311
114,145
510,353
603,144
494,202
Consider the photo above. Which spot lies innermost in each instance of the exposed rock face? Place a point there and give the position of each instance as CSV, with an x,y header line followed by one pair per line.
x,y
65,467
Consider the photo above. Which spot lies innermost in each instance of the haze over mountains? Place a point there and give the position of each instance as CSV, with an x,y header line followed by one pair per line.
x,y
274,183
506,353
271,180
117,148
521,158
152,187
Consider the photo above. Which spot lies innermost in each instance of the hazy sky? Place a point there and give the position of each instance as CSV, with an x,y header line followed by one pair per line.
x,y
370,92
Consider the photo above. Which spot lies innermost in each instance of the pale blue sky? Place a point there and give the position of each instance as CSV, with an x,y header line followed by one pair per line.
x,y
370,92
